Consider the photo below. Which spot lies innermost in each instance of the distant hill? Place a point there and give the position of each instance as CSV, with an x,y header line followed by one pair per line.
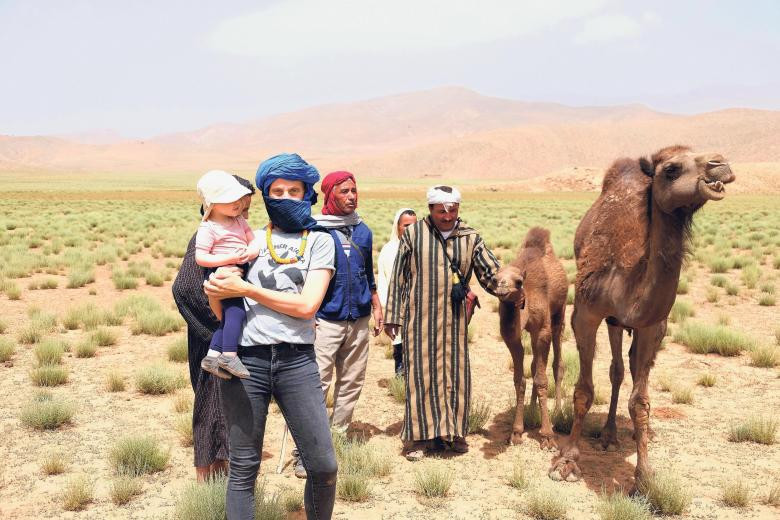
x,y
446,133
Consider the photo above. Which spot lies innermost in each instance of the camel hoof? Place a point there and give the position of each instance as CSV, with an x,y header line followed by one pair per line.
x,y
516,438
565,469
609,441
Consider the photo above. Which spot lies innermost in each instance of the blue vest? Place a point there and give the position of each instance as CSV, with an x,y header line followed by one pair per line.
x,y
349,293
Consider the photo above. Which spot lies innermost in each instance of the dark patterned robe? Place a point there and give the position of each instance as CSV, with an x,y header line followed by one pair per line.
x,y
434,331
208,424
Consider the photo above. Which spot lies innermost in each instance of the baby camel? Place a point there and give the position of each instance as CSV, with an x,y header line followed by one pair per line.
x,y
532,291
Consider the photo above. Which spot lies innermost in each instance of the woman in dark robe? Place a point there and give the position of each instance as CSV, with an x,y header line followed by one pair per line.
x,y
209,429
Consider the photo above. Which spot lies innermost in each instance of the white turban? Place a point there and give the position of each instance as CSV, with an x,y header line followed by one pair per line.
x,y
443,195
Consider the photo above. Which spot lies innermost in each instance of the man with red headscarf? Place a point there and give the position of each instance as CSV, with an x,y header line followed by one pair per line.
x,y
341,344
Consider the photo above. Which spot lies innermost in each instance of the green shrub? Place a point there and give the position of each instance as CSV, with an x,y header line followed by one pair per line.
x,y
766,300
158,379
138,455
46,413
123,489
546,503
750,276
353,488
291,500
563,418
479,413
7,349
49,352
86,349
712,295
49,375
123,281
178,350
433,480
154,279
719,280
680,311
621,507
720,265
103,337
31,334
518,479
3,326
89,316
79,277
77,493
396,387
204,501
682,286
157,323
755,429
532,416
666,494
13,292
732,290
704,339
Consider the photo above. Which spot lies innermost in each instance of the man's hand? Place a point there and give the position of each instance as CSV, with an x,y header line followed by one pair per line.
x,y
226,282
379,321
391,330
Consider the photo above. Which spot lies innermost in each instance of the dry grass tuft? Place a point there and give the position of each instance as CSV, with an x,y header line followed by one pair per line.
x,y
735,493
123,489
77,494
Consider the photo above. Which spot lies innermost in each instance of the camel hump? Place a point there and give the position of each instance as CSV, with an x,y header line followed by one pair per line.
x,y
537,238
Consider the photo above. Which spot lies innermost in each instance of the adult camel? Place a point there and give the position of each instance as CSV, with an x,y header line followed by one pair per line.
x,y
630,247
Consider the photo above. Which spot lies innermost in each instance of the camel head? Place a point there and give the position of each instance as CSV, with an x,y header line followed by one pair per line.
x,y
509,288
683,178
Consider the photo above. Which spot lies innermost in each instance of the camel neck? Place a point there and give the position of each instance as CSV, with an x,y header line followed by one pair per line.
x,y
665,254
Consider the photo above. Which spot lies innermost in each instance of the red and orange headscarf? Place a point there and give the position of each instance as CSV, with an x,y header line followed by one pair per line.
x,y
330,181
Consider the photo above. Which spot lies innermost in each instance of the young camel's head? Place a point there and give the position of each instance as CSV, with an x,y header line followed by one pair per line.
x,y
510,284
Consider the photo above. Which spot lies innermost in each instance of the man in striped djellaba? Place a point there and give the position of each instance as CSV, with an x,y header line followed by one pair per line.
x,y
427,305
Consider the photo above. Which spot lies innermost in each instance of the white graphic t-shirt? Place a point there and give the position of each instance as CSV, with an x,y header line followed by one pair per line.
x,y
265,326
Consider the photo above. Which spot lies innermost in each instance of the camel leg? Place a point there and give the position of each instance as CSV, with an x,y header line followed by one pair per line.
x,y
509,320
541,343
609,440
585,324
645,346
557,330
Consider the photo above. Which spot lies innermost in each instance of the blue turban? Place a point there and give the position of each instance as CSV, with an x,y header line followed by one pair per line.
x,y
288,166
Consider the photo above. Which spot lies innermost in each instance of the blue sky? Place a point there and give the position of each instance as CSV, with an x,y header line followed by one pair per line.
x,y
144,68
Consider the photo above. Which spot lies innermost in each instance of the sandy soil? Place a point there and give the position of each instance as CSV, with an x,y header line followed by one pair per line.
x,y
690,439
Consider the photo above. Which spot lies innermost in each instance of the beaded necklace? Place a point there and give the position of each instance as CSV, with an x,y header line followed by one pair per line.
x,y
297,258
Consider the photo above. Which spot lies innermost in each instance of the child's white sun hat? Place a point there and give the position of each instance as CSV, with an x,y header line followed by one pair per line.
x,y
216,187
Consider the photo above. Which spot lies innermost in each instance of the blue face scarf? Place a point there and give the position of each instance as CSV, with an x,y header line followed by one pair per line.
x,y
289,214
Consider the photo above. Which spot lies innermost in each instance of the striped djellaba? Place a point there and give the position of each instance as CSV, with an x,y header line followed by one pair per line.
x,y
434,331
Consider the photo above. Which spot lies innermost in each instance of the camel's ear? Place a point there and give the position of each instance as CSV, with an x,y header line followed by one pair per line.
x,y
647,167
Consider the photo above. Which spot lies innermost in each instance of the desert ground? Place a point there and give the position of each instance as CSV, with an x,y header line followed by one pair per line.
x,y
117,252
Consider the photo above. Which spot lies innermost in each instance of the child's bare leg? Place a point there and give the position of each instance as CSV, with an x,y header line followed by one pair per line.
x,y
216,307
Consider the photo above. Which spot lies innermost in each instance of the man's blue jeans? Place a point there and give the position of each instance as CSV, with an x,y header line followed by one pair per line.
x,y
289,373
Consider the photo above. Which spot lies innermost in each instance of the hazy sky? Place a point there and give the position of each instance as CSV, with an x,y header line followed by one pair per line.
x,y
151,67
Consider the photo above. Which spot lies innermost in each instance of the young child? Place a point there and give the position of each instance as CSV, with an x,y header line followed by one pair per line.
x,y
224,238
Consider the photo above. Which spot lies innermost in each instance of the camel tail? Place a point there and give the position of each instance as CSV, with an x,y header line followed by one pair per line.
x,y
537,238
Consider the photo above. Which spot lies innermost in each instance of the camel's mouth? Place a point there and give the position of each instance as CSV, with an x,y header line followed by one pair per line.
x,y
715,188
